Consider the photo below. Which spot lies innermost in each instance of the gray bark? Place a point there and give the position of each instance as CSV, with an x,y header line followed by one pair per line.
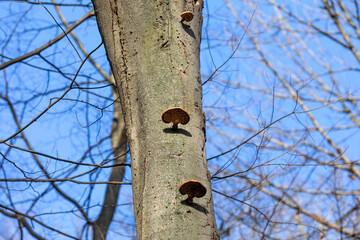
x,y
156,64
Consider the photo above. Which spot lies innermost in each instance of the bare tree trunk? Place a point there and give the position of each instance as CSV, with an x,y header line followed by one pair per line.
x,y
119,143
156,63
118,140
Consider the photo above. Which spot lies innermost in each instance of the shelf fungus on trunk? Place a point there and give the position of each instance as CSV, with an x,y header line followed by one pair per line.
x,y
175,115
192,188
186,16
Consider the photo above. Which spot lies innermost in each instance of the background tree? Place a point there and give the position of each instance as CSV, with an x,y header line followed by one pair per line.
x,y
281,103
59,93
296,89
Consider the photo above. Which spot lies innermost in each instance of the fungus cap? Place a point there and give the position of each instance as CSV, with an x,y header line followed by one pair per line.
x,y
175,115
187,16
192,188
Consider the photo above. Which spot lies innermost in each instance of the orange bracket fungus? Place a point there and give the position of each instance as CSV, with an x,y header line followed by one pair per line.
x,y
186,16
175,115
193,189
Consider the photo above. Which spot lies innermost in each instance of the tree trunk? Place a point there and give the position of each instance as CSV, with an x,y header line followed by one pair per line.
x,y
118,141
155,59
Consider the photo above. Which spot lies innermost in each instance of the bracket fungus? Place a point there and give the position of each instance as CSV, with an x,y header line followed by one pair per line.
x,y
175,115
192,188
186,16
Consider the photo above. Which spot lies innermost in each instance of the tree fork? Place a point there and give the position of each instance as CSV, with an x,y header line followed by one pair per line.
x,y
155,58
